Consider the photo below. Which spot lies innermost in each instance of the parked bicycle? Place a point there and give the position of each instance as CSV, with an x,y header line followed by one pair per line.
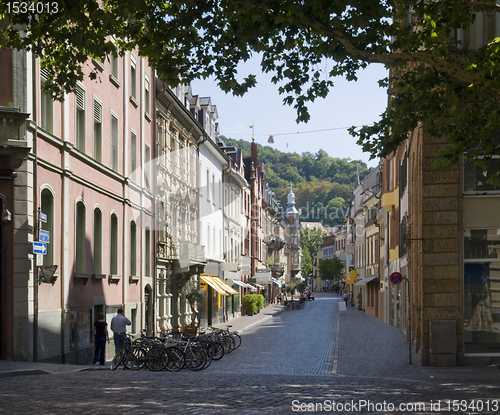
x,y
130,356
175,351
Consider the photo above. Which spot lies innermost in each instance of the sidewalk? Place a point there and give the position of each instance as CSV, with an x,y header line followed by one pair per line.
x,y
369,348
244,323
13,368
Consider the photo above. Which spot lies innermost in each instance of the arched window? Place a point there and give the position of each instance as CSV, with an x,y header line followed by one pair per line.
x,y
97,241
113,260
47,207
133,248
80,239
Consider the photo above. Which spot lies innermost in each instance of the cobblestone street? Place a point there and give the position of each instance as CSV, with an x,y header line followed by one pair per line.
x,y
286,364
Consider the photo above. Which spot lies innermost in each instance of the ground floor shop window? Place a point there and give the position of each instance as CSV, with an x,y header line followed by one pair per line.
x,y
80,324
482,290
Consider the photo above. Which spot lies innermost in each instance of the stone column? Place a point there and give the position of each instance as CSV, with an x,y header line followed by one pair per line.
x,y
441,283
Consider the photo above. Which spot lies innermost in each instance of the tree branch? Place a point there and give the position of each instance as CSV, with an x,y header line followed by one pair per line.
x,y
423,56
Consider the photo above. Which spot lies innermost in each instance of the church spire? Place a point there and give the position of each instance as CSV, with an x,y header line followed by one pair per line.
x,y
291,197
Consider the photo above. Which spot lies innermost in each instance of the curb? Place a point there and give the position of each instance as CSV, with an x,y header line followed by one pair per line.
x,y
27,372
336,347
259,322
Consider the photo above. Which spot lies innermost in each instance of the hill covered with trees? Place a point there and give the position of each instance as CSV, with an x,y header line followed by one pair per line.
x,y
322,185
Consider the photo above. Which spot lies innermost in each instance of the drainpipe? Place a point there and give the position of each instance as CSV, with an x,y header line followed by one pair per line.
x,y
35,213
156,222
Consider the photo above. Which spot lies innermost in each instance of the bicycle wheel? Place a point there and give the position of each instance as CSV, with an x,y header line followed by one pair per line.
x,y
175,360
130,360
237,340
117,360
218,350
195,358
140,353
157,359
208,355
229,344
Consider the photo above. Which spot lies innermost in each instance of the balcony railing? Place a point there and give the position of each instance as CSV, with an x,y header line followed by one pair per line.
x,y
276,269
275,243
193,252
12,126
13,141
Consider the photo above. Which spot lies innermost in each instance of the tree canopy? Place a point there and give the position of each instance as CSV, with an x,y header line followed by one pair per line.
x,y
331,268
311,239
441,82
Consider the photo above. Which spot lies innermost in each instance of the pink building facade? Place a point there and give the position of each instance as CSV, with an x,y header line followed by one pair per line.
x,y
88,175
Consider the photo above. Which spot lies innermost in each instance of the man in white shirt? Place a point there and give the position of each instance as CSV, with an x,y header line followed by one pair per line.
x,y
119,325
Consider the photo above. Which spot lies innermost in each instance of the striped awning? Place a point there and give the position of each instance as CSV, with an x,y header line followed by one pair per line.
x,y
218,285
210,281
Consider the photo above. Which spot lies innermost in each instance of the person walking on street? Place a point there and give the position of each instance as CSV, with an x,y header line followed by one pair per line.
x,y
346,297
99,337
119,325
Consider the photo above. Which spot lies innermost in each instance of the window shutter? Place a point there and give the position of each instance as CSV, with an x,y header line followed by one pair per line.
x,y
97,112
44,73
80,98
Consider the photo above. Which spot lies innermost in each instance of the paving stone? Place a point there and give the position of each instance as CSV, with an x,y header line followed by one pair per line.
x,y
288,363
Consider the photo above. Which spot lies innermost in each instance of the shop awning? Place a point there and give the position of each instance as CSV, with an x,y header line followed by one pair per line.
x,y
276,282
210,281
240,283
224,286
365,280
260,286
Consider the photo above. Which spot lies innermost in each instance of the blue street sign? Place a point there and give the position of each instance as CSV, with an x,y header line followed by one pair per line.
x,y
44,236
39,248
43,217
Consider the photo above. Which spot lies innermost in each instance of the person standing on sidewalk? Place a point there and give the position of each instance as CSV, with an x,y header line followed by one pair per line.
x,y
346,297
100,335
119,325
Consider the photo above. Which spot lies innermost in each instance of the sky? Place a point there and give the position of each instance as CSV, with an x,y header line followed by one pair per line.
x,y
348,104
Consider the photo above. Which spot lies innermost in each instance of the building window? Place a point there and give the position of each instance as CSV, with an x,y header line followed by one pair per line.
x,y
80,326
97,131
133,248
482,290
133,156
147,168
80,238
97,260
476,178
146,96
114,142
208,185
46,104
47,207
212,189
147,237
114,59
80,119
113,260
133,77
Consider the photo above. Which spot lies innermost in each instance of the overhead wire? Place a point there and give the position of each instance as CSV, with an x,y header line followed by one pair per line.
x,y
297,132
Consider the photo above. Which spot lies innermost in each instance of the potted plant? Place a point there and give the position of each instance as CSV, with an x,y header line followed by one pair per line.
x,y
301,287
249,303
290,289
360,301
259,300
